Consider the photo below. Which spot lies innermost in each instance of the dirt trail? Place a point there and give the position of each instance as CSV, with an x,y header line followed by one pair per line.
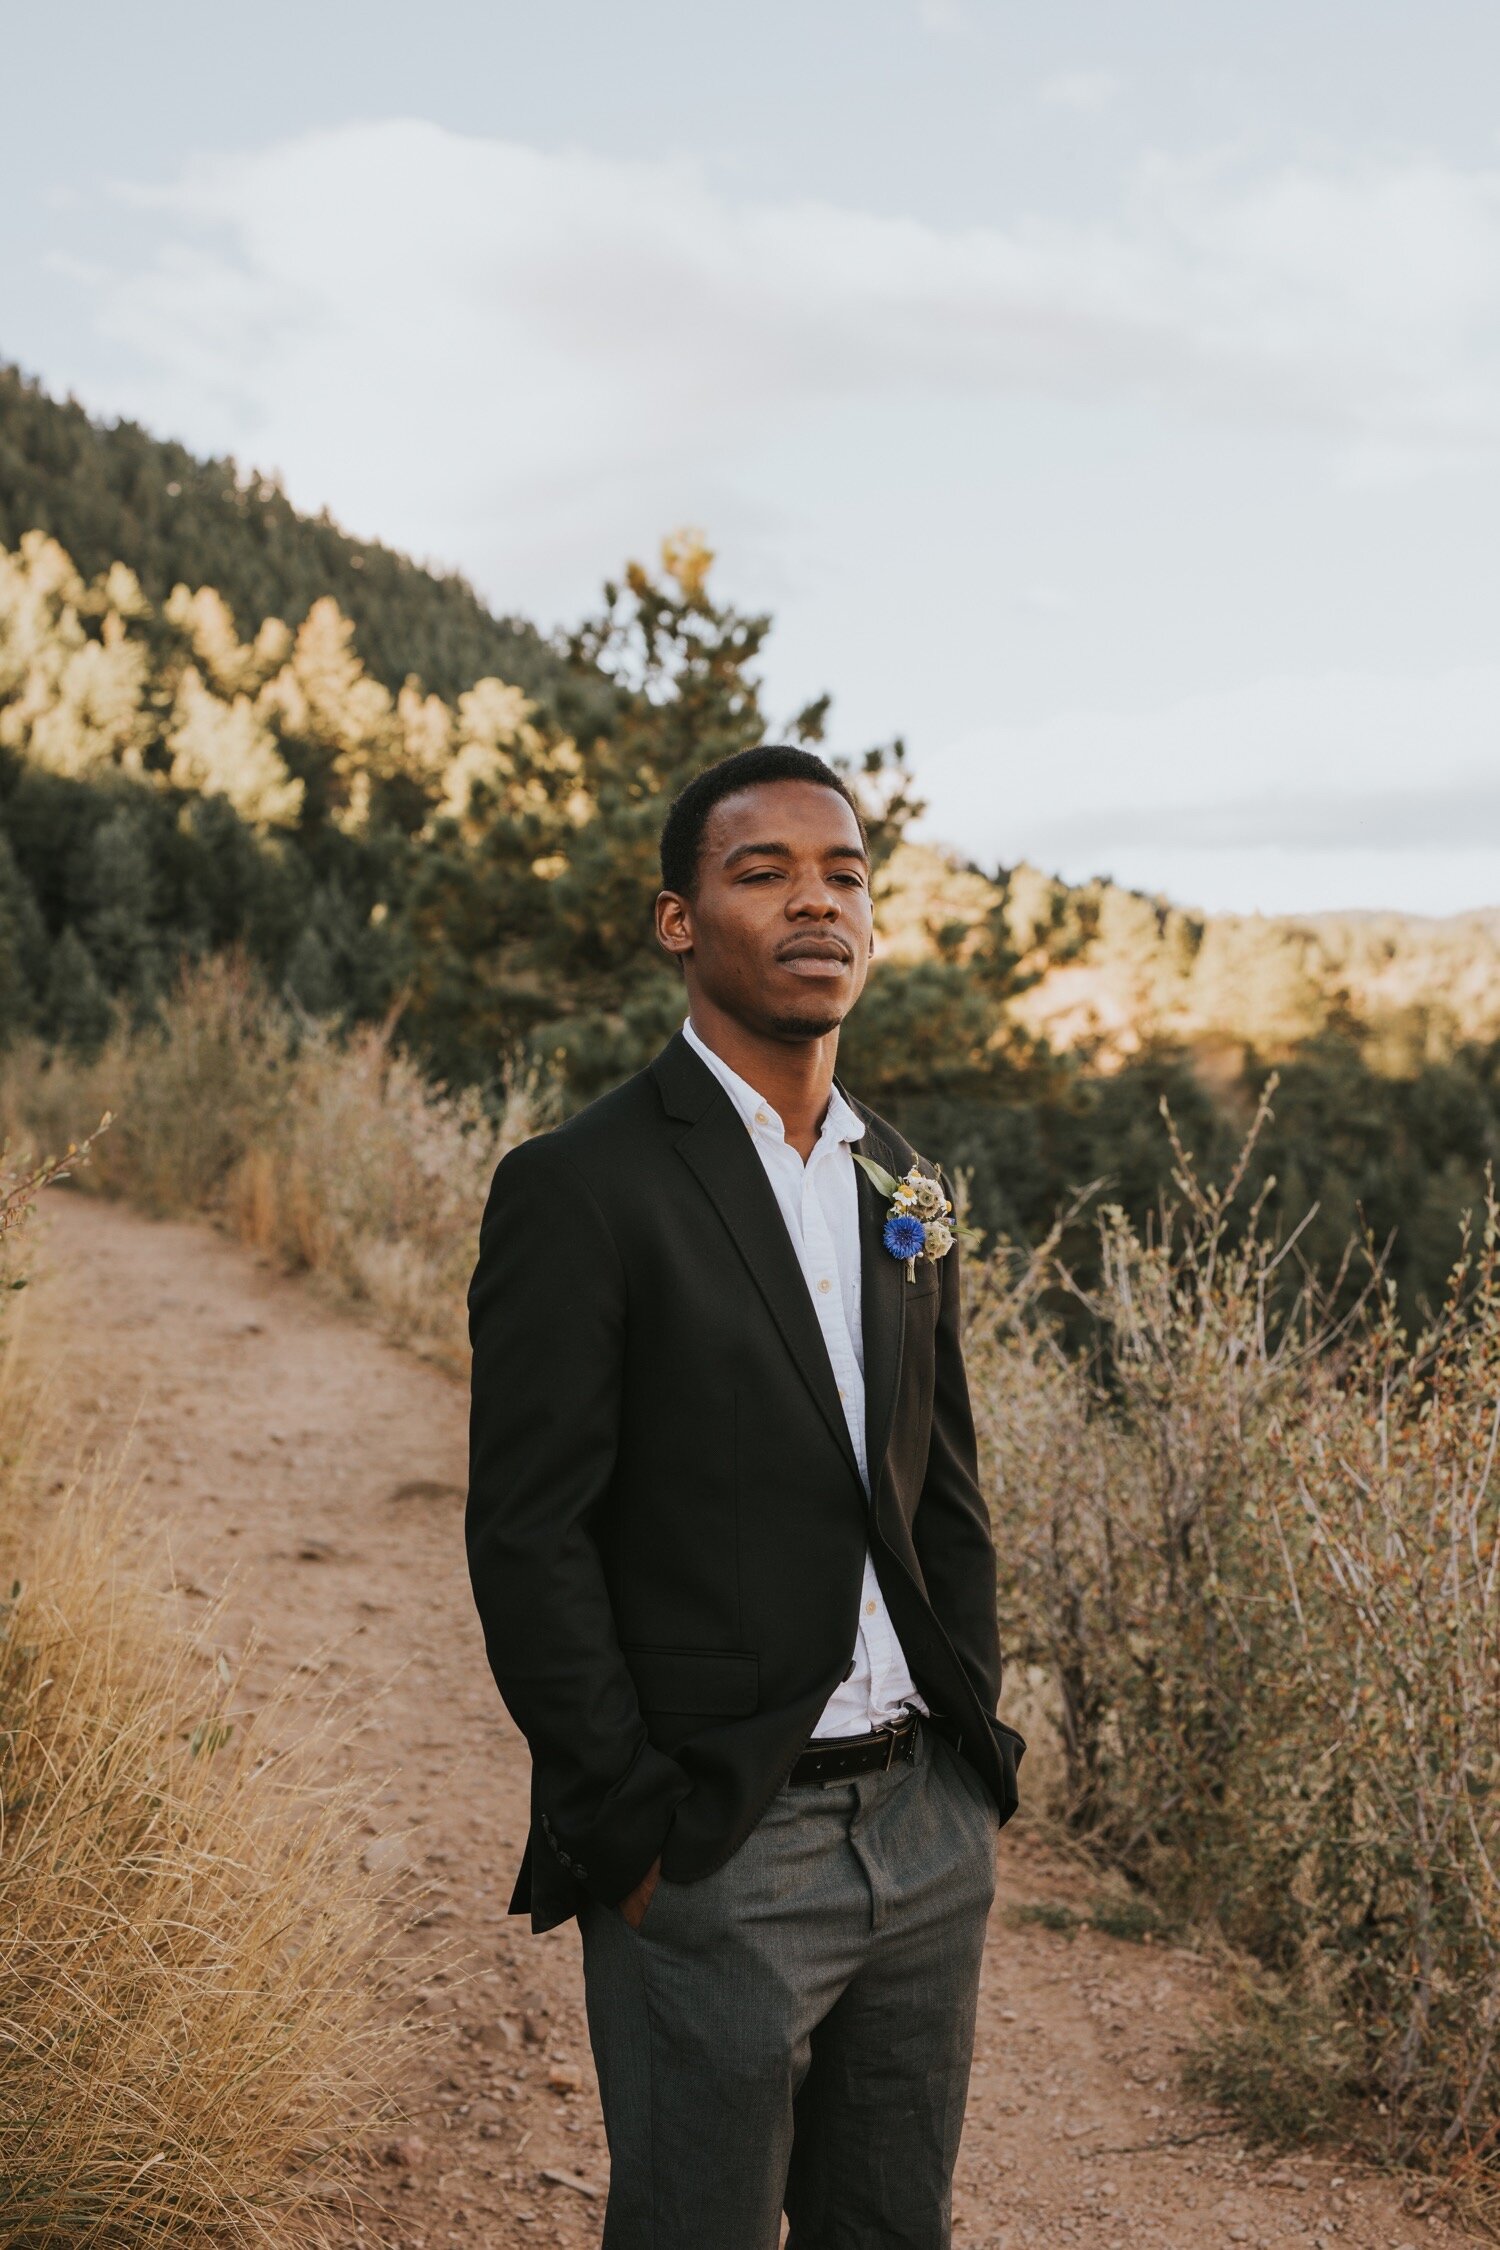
x,y
322,1470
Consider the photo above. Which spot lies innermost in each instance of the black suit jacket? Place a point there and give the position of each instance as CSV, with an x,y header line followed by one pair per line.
x,y
666,1524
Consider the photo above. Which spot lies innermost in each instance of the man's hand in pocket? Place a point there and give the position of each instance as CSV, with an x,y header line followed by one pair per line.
x,y
633,1906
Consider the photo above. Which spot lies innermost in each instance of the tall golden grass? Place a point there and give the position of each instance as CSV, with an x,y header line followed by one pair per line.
x,y
334,1155
191,2018
1258,1553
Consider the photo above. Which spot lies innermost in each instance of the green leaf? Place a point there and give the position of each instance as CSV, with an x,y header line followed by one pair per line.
x,y
877,1173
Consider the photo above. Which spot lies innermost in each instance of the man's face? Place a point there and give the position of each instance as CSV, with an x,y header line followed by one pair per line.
x,y
778,931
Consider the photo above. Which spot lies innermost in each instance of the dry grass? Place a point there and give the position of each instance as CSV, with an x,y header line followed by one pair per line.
x,y
192,2021
333,1155
1259,1557
187,1953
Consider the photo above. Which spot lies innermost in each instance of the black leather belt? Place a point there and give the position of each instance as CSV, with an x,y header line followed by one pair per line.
x,y
845,1755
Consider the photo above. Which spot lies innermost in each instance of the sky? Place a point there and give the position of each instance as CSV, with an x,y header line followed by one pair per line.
x,y
1105,400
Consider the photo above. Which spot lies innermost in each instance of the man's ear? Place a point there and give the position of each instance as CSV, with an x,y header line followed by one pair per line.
x,y
674,923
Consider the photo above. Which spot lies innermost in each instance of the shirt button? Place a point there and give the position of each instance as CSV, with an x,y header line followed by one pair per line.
x,y
869,1609
761,1117
824,1286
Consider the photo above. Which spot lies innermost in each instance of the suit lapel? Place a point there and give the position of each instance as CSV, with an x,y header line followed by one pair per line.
x,y
719,1152
883,1286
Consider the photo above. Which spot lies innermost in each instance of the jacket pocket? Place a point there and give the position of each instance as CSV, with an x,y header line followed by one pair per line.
x,y
695,1682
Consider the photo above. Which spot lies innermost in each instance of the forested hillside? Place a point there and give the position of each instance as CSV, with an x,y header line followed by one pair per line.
x,y
110,492
225,727
170,788
1104,973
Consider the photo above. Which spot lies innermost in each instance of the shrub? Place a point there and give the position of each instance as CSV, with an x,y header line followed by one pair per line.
x,y
1258,1551
333,1153
191,1091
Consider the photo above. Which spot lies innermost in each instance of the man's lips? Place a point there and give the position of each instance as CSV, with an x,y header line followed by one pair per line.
x,y
825,957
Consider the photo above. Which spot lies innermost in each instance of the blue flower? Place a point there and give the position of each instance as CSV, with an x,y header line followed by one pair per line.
x,y
904,1237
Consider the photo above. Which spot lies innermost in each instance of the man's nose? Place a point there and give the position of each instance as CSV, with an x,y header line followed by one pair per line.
x,y
814,901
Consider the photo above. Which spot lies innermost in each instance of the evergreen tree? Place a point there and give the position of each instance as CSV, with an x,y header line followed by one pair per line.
x,y
530,922
121,913
76,1010
310,977
23,949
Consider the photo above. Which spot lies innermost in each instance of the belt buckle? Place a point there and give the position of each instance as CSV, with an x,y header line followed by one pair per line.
x,y
901,1735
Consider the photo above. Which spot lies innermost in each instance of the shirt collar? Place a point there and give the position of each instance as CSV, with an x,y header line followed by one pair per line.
x,y
840,1122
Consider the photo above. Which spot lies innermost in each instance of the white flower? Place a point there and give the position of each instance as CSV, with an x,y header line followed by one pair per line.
x,y
927,1198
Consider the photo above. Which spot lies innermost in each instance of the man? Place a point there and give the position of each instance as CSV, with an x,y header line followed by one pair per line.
x,y
736,1577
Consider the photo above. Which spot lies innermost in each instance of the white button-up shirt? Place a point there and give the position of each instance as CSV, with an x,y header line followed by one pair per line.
x,y
819,1201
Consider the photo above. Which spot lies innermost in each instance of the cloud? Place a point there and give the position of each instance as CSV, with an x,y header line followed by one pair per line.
x,y
1275,796
1087,91
1347,880
521,331
1044,600
1459,814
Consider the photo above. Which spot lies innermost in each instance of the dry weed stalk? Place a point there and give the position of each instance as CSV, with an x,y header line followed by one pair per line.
x,y
1258,1551
1388,1525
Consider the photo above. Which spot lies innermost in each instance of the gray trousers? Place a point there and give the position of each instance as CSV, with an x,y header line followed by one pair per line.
x,y
795,2031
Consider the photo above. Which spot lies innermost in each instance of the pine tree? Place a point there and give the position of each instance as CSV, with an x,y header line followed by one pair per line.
x,y
76,1012
121,921
310,977
23,949
530,918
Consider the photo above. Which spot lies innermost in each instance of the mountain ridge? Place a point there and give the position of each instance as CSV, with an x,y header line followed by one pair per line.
x,y
112,492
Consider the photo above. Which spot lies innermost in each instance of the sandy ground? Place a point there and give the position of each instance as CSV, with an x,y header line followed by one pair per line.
x,y
321,1471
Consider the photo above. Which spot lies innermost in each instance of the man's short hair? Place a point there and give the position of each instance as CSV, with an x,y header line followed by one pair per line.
x,y
682,832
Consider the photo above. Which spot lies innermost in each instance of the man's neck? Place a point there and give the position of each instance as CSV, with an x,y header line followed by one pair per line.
x,y
794,1075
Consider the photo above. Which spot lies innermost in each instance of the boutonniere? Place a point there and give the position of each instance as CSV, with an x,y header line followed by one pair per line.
x,y
919,1223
